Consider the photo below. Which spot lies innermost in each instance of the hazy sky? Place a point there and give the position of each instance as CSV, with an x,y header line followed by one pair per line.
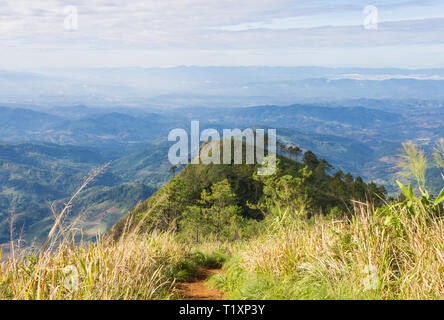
x,y
410,33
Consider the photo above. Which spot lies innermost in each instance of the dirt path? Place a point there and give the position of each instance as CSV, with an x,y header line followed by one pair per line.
x,y
196,288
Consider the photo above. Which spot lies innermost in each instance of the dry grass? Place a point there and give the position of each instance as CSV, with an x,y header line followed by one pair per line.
x,y
363,258
131,269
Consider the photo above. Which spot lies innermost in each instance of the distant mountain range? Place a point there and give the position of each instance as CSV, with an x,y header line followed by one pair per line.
x,y
106,128
215,86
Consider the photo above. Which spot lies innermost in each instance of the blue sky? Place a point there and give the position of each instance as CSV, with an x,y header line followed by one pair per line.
x,y
113,33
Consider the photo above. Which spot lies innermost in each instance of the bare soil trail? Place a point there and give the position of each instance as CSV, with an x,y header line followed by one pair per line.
x,y
197,289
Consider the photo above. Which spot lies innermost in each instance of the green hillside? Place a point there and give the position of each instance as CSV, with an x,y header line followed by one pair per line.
x,y
236,193
35,174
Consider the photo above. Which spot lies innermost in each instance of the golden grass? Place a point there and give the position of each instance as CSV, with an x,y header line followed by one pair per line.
x,y
131,269
135,266
363,258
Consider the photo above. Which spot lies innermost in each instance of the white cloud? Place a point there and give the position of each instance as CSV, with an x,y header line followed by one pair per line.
x,y
213,25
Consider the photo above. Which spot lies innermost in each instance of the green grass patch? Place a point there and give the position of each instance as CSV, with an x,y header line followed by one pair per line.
x,y
240,284
188,267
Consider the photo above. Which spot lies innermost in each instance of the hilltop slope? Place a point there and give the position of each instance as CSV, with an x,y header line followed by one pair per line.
x,y
200,190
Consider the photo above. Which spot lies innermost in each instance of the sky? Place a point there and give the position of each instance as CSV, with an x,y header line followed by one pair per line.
x,y
164,33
